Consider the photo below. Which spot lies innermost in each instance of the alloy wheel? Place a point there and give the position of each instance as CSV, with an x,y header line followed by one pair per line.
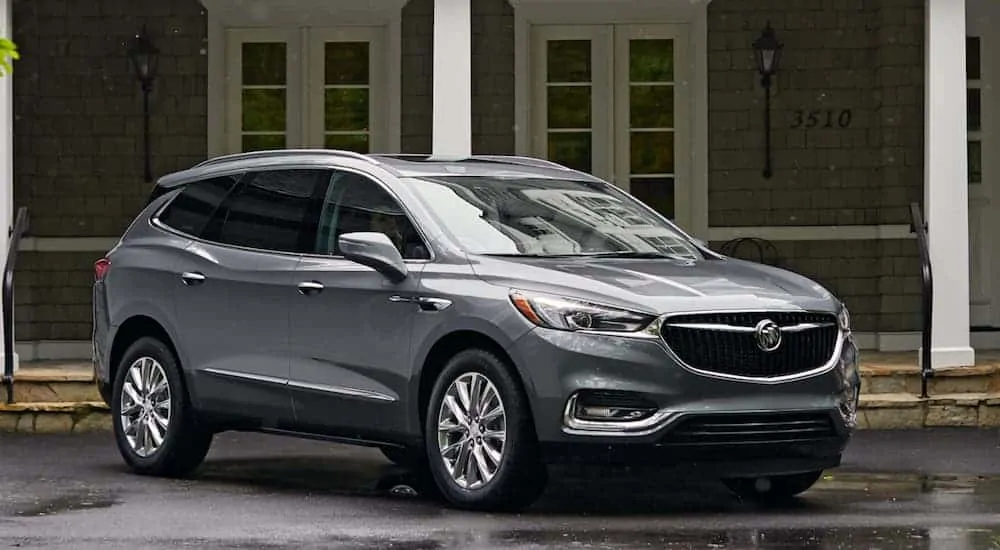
x,y
145,406
472,430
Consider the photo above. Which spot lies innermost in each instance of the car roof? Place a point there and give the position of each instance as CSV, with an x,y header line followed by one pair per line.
x,y
400,165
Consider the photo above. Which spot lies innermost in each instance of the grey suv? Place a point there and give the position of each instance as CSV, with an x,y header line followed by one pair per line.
x,y
475,318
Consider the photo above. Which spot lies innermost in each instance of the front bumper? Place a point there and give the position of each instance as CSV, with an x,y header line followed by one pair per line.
x,y
796,424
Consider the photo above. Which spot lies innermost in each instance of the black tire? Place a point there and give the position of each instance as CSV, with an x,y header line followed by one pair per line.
x,y
773,488
521,476
185,443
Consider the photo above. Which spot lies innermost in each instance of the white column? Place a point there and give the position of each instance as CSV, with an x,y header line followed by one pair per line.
x,y
452,130
6,157
946,197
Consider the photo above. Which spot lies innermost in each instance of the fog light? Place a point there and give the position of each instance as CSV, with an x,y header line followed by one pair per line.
x,y
612,406
611,413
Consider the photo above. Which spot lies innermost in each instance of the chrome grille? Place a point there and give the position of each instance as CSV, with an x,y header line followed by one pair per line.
x,y
726,343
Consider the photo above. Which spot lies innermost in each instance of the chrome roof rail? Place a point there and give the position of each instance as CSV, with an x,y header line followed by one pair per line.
x,y
278,153
522,160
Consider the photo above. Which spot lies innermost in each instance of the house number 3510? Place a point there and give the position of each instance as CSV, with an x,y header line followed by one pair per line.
x,y
828,118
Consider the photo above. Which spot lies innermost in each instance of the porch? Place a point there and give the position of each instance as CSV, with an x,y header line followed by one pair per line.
x,y
660,97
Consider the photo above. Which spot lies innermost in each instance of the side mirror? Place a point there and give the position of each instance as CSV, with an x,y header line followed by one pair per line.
x,y
376,251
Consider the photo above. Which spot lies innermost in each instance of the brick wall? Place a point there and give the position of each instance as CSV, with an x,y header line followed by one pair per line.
x,y
838,55
492,77
78,136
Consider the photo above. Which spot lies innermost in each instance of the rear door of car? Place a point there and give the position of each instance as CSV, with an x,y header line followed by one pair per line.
x,y
236,287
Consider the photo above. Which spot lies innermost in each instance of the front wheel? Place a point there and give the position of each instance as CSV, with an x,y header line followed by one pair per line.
x,y
480,436
154,425
773,488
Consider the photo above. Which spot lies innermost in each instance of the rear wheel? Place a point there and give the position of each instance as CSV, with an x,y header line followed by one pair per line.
x,y
480,437
773,488
154,425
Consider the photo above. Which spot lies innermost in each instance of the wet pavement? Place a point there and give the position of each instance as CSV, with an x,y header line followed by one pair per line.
x,y
929,489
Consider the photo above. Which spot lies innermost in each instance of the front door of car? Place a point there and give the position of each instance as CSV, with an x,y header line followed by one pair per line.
x,y
350,326
238,285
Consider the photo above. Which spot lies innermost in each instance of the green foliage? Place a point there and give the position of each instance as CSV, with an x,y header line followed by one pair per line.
x,y
8,53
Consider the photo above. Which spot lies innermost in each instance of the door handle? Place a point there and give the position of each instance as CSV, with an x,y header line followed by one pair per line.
x,y
308,288
423,302
191,278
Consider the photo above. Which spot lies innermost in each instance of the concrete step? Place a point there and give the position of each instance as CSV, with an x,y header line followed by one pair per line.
x,y
881,379
909,411
47,382
55,417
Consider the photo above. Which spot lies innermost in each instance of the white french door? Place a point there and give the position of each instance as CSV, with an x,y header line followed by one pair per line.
x,y
306,87
983,104
613,100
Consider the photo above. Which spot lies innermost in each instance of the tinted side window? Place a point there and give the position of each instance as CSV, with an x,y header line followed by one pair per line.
x,y
270,211
355,203
190,210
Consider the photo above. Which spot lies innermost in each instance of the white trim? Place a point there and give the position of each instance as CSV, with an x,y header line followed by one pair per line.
x,y
451,111
296,15
67,244
54,350
946,189
691,14
813,232
6,154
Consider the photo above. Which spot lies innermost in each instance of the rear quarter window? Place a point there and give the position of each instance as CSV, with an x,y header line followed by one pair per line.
x,y
194,206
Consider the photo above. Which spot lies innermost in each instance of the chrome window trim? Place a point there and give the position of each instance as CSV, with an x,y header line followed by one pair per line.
x,y
154,219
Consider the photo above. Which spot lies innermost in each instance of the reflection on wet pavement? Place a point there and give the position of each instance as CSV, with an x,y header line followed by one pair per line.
x,y
294,495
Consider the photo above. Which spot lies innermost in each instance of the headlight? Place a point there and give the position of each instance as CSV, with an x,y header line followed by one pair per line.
x,y
575,315
844,318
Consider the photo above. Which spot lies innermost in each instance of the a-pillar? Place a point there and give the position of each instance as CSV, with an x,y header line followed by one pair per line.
x,y
946,197
452,129
6,156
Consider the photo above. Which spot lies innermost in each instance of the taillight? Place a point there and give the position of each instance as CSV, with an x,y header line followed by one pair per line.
x,y
101,268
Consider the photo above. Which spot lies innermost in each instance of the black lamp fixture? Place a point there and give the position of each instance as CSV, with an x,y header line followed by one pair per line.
x,y
767,51
145,59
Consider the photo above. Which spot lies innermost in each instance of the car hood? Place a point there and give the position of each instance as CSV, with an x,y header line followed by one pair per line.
x,y
660,285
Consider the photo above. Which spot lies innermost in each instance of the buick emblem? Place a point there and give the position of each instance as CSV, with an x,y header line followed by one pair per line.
x,y
768,335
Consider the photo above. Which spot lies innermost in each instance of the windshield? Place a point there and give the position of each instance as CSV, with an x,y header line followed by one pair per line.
x,y
522,216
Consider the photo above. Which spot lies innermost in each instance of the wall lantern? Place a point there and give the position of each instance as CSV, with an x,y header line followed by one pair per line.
x,y
145,58
767,51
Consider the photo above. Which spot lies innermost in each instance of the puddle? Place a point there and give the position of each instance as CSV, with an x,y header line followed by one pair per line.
x,y
62,504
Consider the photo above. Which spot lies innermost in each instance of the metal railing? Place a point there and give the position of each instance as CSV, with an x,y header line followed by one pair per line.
x,y
16,233
732,248
918,226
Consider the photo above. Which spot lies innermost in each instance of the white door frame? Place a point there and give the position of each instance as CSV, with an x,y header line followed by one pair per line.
x,y
689,14
601,49
983,20
285,15
378,67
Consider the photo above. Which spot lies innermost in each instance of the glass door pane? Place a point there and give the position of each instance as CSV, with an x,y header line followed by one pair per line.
x,y
650,123
347,101
263,95
568,103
